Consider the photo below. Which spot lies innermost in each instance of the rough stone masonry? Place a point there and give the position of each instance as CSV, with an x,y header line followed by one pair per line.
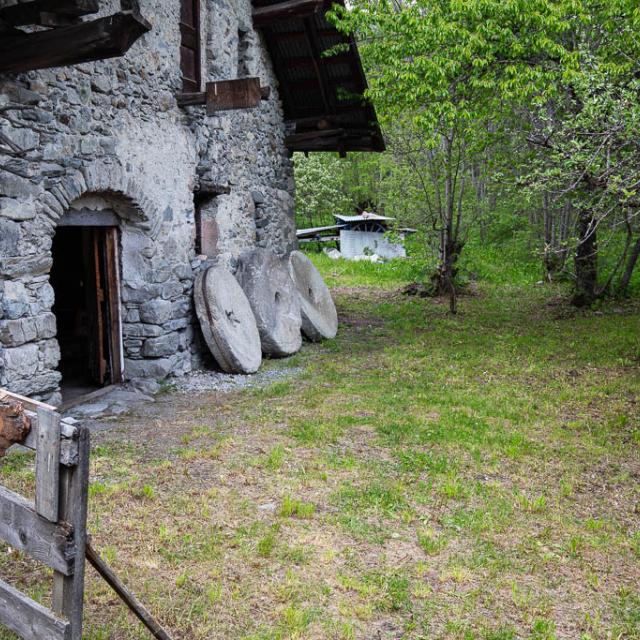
x,y
109,137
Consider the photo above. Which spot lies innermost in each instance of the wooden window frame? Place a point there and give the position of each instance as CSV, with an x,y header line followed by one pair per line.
x,y
190,39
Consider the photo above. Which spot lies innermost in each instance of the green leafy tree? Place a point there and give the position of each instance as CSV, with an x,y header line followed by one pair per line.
x,y
560,74
320,191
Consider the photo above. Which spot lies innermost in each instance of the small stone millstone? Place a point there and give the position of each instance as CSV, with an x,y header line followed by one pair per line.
x,y
227,322
265,279
319,315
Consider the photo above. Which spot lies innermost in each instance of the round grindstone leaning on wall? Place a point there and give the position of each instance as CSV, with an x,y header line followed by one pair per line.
x,y
227,321
319,315
265,279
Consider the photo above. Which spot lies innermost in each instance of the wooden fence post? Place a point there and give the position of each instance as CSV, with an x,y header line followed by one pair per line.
x,y
68,591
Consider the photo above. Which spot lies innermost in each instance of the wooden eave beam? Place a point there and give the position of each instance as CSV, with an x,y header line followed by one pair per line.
x,y
340,140
31,12
300,35
99,39
282,11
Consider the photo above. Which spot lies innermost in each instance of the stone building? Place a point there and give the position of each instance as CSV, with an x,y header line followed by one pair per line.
x,y
119,175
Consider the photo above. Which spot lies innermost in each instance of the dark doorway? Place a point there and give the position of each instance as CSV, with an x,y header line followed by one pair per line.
x,y
84,277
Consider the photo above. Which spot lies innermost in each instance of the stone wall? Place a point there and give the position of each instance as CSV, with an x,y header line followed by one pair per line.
x,y
110,135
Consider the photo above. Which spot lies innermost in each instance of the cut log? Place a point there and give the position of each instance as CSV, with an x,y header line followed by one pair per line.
x,y
265,279
95,40
319,316
14,423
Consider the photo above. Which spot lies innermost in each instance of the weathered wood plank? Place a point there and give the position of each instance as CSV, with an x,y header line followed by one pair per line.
x,y
95,40
29,403
241,93
23,529
68,591
187,99
48,464
29,619
128,597
30,12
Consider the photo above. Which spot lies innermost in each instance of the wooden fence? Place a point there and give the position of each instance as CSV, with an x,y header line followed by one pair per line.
x,y
52,530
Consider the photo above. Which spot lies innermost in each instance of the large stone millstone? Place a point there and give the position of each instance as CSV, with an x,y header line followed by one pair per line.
x,y
265,279
227,322
319,316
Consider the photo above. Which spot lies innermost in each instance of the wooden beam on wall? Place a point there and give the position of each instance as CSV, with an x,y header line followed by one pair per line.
x,y
240,93
25,13
95,40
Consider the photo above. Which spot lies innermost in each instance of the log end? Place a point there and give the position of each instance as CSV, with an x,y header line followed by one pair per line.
x,y
14,423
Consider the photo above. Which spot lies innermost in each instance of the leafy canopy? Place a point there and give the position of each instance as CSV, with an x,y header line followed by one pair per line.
x,y
453,63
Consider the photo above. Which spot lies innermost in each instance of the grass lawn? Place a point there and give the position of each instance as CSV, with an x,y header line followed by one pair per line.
x,y
425,476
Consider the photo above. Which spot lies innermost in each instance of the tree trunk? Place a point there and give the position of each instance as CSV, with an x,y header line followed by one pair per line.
x,y
586,261
629,268
445,277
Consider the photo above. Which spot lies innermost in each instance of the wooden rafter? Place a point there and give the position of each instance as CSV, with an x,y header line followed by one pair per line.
x,y
321,74
95,40
323,96
38,11
270,14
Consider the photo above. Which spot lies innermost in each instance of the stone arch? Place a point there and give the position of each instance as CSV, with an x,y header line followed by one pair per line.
x,y
108,180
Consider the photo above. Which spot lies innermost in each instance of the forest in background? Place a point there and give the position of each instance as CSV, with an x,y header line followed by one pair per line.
x,y
511,131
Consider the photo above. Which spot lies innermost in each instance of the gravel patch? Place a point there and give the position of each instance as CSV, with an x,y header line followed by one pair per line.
x,y
217,381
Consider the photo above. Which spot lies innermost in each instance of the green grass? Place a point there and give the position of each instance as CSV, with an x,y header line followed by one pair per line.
x,y
425,476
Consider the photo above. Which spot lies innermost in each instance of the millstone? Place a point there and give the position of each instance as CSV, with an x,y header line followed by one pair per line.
x,y
265,279
319,316
227,321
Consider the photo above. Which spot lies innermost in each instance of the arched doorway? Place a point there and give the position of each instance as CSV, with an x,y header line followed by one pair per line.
x,y
85,279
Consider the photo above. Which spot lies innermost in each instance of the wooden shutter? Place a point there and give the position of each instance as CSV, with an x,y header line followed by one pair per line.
x,y
190,44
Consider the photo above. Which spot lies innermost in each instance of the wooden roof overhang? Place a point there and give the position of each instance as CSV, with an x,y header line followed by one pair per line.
x,y
322,82
56,36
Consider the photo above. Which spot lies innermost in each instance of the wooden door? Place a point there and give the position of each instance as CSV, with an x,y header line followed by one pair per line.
x,y
102,290
190,44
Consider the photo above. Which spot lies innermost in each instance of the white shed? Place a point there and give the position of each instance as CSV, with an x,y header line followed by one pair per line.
x,y
364,235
